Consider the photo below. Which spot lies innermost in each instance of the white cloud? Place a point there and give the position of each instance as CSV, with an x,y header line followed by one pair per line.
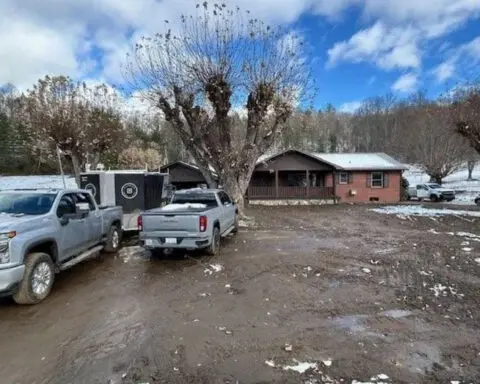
x,y
444,71
350,107
466,55
388,48
401,30
405,83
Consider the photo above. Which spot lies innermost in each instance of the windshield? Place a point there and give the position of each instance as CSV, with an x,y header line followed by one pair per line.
x,y
26,204
195,198
435,186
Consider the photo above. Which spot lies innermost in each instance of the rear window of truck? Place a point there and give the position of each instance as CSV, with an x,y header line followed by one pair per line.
x,y
208,199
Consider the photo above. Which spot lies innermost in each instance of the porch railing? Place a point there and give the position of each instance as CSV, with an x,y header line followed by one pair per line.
x,y
268,193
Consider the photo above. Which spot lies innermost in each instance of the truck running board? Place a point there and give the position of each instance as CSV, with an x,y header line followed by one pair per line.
x,y
83,256
228,231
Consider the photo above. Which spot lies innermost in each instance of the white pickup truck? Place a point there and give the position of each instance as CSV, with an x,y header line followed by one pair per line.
x,y
432,191
194,219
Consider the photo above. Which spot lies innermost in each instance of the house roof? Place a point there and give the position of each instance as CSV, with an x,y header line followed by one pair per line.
x,y
360,161
346,161
188,165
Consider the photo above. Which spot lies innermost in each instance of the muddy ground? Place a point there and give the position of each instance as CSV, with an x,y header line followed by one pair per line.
x,y
357,295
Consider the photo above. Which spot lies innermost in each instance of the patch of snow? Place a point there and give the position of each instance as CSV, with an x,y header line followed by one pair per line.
x,y
470,236
327,362
270,363
216,267
288,347
366,270
178,207
439,289
477,260
53,181
300,367
467,249
435,232
417,210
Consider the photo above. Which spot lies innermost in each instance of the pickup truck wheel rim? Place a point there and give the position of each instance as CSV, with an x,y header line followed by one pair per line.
x,y
41,278
115,239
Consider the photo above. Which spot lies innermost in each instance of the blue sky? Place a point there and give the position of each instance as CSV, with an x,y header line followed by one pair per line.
x,y
362,48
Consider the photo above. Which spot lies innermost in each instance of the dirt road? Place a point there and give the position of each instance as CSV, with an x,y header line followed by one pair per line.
x,y
341,293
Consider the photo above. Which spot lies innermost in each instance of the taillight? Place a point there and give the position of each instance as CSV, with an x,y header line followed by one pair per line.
x,y
139,223
203,223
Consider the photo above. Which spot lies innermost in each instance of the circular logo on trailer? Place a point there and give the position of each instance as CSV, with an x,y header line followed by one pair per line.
x,y
90,187
129,191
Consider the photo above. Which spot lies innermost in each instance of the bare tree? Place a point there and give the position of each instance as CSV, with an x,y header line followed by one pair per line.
x,y
72,117
218,60
138,158
433,145
466,114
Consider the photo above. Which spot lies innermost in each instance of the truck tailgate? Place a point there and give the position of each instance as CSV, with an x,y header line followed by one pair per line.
x,y
173,222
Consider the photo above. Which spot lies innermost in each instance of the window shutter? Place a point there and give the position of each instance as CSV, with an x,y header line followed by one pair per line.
x,y
385,180
369,180
350,178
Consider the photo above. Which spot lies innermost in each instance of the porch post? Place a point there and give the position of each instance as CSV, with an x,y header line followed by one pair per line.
x,y
308,183
276,184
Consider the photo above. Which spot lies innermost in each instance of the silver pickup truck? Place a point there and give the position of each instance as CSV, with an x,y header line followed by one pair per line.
x,y
44,231
194,219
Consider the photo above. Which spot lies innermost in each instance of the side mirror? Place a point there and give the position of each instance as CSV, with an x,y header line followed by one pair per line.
x,y
64,220
83,209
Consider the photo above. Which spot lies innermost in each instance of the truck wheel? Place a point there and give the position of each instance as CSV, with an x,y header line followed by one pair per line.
x,y
114,238
37,281
434,198
477,201
214,247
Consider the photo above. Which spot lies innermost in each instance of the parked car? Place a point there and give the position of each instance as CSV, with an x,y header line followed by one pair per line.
x,y
43,232
194,219
477,200
432,191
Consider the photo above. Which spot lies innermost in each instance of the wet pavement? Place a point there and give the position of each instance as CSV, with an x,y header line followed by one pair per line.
x,y
304,295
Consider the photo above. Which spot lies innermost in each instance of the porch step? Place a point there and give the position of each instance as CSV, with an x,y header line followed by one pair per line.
x,y
83,256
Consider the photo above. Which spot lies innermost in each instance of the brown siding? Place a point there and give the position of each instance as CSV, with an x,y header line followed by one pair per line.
x,y
182,174
359,180
294,162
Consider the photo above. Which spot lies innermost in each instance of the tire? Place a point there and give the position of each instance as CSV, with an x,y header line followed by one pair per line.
x,y
37,281
434,198
477,201
114,239
214,247
236,225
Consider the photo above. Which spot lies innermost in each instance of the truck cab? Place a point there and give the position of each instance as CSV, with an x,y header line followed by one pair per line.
x,y
44,231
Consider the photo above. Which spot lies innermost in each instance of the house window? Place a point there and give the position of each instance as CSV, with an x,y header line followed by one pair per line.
x,y
343,178
377,180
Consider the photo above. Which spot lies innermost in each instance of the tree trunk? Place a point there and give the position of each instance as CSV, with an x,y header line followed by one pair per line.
x,y
235,182
76,168
436,178
470,167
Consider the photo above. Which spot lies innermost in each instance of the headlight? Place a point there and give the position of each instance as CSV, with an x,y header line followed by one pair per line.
x,y
4,241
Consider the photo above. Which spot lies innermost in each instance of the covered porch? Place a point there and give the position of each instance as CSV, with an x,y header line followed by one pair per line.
x,y
291,184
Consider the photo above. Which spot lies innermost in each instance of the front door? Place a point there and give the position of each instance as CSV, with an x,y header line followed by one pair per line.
x,y
228,212
93,220
72,228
